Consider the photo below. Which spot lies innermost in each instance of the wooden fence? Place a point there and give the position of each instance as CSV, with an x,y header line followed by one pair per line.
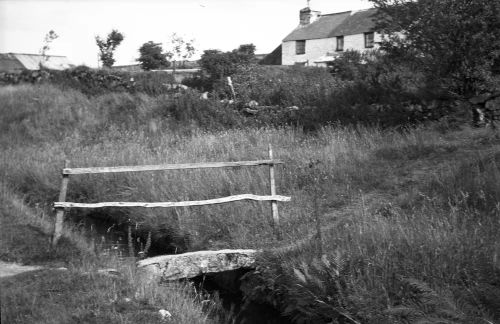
x,y
62,203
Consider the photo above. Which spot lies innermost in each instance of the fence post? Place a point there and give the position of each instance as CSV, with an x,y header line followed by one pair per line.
x,y
274,203
230,84
60,210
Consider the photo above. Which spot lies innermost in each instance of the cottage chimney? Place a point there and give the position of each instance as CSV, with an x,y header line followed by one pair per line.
x,y
308,16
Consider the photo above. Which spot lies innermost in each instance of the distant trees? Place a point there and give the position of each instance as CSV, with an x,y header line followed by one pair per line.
x,y
220,64
108,46
152,56
180,49
454,42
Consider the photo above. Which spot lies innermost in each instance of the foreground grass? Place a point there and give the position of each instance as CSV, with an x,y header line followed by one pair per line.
x,y
70,288
409,219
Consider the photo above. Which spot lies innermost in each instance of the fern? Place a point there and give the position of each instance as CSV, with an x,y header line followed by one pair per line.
x,y
422,304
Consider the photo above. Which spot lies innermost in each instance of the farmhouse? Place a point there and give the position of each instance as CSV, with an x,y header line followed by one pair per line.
x,y
319,39
17,62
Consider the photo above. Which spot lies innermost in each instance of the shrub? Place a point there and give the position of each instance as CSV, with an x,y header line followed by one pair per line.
x,y
219,64
152,83
189,108
91,81
282,86
95,82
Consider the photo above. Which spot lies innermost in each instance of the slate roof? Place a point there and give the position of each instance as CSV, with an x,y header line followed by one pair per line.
x,y
17,61
336,24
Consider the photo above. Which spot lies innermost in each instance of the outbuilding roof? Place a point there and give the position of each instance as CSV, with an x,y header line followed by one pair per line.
x,y
336,24
19,61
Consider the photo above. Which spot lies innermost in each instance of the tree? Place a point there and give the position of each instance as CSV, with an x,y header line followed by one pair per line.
x,y
454,42
152,56
180,49
108,46
222,64
246,51
49,38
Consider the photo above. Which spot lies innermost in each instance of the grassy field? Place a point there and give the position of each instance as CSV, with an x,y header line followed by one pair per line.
x,y
408,219
71,288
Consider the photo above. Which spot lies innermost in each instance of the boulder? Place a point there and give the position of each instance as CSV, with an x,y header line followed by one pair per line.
x,y
252,104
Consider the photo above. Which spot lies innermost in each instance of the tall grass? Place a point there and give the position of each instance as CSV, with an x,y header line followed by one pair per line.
x,y
401,221
72,286
427,255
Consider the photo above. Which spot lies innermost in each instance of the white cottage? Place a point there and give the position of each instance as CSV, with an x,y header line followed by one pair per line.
x,y
319,38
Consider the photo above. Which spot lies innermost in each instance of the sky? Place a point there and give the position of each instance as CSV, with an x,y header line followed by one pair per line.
x,y
213,24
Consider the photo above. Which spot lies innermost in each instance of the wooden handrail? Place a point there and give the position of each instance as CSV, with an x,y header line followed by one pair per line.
x,y
63,204
183,166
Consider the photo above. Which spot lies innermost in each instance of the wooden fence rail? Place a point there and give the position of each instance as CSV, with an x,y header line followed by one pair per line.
x,y
273,198
172,203
162,167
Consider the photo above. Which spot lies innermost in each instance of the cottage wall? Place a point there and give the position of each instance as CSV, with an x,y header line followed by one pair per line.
x,y
316,48
357,42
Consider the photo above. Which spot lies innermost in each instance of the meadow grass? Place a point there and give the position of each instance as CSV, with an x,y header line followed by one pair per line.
x,y
70,288
409,219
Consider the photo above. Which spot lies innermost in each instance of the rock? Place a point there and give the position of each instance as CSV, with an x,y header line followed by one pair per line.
x,y
164,314
493,104
175,86
250,111
252,104
227,101
11,269
105,272
193,264
484,97
109,272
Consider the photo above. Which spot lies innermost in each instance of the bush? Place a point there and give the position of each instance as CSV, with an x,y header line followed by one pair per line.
x,y
91,81
95,82
189,108
199,81
152,83
282,86
361,88
219,64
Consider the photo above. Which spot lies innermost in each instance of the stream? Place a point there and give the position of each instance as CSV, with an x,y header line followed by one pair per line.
x,y
112,238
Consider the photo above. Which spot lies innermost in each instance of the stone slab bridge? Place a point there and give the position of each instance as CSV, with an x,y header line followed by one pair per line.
x,y
193,264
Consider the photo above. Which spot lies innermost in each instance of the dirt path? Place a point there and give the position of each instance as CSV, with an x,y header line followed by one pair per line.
x,y
8,269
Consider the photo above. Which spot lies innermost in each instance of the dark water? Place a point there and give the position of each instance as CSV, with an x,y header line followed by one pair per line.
x,y
113,238
238,310
108,236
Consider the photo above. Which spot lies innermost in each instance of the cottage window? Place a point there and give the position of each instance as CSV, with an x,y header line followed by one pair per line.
x,y
369,40
340,43
300,47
